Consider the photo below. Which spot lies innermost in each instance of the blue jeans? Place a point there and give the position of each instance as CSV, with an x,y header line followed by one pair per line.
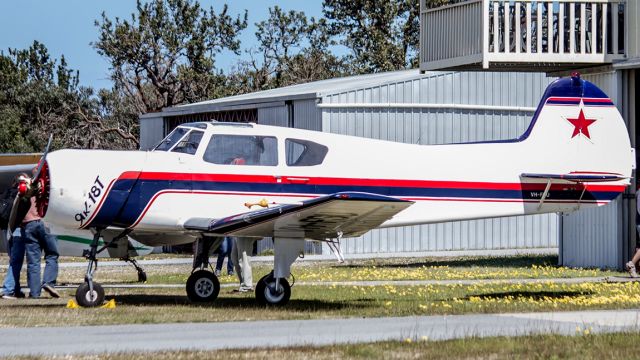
x,y
15,249
37,240
224,251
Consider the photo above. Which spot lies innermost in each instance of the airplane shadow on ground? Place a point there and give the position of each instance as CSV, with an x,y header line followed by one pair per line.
x,y
230,302
507,261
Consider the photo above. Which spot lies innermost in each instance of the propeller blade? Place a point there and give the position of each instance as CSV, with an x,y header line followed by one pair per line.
x,y
42,159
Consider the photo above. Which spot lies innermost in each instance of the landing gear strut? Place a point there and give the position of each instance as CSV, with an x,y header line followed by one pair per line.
x,y
202,284
90,293
142,276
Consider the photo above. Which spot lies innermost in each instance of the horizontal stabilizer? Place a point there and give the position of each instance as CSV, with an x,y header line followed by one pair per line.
x,y
577,177
342,214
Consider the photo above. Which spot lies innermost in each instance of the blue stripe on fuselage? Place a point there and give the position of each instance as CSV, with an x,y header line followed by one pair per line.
x,y
113,213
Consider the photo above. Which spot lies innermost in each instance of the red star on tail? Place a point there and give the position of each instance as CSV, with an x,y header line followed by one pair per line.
x,y
581,125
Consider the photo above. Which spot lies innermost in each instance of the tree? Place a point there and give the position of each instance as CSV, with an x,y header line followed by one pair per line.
x,y
382,35
164,54
291,49
41,96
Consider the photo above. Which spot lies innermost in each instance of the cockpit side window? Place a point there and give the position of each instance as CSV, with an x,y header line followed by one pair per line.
x,y
304,152
242,150
189,144
167,143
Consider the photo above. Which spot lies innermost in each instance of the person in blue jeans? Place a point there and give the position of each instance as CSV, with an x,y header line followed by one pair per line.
x,y
15,248
224,251
37,239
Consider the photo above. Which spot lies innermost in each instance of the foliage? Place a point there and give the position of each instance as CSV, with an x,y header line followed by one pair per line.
x,y
291,49
164,54
41,96
382,35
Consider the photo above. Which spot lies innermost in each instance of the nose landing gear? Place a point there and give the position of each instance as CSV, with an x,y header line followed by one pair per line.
x,y
90,293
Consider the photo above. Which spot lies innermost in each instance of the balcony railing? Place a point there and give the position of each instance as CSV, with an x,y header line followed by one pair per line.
x,y
528,34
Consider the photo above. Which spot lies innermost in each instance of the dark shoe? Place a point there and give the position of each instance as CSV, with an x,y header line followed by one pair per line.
x,y
230,273
20,295
49,289
217,273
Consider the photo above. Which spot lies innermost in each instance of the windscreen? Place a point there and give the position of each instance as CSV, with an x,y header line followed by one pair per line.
x,y
167,143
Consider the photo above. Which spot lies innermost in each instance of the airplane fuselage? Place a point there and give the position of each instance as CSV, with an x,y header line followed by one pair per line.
x,y
211,170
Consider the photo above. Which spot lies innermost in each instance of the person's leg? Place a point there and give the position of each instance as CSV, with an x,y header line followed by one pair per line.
x,y
8,284
636,256
245,247
33,251
234,257
229,261
223,250
50,247
17,259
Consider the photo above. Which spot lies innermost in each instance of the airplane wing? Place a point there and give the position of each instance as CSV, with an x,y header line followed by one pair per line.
x,y
346,213
577,177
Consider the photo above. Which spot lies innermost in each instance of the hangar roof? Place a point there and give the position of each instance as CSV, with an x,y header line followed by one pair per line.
x,y
311,90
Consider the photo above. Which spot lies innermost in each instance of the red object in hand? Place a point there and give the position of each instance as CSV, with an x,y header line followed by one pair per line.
x,y
22,188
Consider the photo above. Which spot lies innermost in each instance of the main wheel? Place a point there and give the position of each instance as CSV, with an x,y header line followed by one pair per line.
x,y
267,294
202,286
87,298
142,277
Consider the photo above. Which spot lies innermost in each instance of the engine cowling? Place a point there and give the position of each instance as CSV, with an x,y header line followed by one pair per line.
x,y
81,187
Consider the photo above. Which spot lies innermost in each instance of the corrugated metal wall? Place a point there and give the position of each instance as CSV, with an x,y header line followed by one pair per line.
x,y
307,115
151,132
439,126
277,115
593,237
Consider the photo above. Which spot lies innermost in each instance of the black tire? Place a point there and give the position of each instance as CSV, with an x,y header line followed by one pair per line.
x,y
87,299
142,277
202,286
266,293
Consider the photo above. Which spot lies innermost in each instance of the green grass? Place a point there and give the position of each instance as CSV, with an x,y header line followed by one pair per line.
x,y
460,268
317,302
600,346
322,299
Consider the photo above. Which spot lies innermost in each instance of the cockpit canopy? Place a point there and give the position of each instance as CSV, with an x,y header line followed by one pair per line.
x,y
237,149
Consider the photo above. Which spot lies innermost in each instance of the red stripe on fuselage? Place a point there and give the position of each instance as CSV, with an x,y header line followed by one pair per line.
x,y
362,182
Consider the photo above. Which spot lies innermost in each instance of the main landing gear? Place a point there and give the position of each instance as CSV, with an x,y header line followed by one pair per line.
x,y
274,289
202,284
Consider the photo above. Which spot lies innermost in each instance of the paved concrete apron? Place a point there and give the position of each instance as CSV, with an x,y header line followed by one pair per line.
x,y
210,336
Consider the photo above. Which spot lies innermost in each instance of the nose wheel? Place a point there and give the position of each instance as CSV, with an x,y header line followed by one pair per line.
x,y
272,291
90,296
202,286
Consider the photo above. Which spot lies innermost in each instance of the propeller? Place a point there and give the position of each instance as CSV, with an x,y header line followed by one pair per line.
x,y
27,188
36,177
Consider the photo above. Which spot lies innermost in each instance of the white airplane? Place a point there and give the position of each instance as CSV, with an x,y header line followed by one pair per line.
x,y
198,182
